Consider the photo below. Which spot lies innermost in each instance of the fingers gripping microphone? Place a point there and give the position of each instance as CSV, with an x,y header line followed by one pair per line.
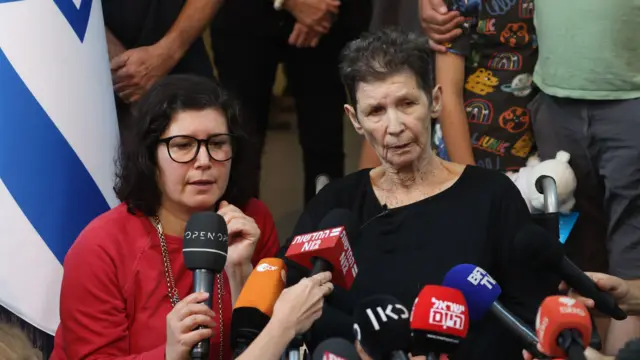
x,y
481,292
328,249
254,306
335,349
439,321
382,328
537,247
564,327
204,249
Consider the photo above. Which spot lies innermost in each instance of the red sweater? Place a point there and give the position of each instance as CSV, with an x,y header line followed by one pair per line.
x,y
114,303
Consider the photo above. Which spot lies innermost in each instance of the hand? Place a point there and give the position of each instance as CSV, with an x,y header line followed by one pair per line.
x,y
589,354
440,24
315,14
186,316
303,36
243,235
615,286
135,70
300,305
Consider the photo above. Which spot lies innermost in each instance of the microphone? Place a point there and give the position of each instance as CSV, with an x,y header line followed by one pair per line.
x,y
328,249
204,249
563,326
382,328
481,292
536,246
254,306
335,349
630,351
439,321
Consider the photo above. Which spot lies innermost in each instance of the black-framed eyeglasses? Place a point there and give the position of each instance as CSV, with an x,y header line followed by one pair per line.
x,y
184,148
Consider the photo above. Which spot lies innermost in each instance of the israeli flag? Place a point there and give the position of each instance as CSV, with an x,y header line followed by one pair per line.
x,y
58,137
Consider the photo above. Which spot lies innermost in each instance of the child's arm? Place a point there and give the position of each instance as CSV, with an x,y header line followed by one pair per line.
x,y
453,118
450,74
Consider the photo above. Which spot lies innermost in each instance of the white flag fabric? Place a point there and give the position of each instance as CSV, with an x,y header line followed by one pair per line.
x,y
58,137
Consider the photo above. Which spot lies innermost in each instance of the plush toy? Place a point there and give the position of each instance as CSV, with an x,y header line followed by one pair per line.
x,y
557,168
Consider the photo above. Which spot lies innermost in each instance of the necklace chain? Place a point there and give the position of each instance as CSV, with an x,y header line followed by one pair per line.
x,y
172,290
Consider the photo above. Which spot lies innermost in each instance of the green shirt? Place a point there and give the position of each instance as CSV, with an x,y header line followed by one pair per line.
x,y
588,49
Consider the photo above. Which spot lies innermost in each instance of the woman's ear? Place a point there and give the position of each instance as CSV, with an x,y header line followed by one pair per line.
x,y
351,112
436,102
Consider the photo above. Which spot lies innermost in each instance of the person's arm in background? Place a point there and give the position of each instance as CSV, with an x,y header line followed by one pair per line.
x,y
114,46
439,24
297,308
450,74
137,69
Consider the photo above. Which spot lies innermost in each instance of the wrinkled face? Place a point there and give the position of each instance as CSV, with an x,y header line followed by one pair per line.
x,y
394,115
195,185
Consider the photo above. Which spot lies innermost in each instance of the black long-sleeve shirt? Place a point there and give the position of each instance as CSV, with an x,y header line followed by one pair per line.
x,y
401,250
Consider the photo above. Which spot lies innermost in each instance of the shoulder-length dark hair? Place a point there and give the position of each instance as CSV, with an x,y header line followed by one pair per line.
x,y
136,167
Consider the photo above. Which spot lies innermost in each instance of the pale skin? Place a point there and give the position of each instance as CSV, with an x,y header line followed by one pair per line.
x,y
134,70
394,116
440,25
180,199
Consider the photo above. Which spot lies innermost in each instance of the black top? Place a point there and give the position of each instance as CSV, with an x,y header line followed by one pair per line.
x,y
401,250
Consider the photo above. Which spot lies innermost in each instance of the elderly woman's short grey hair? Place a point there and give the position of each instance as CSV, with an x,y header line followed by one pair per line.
x,y
378,55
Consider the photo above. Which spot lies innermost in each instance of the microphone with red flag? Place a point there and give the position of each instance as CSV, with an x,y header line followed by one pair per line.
x,y
328,249
563,326
439,321
335,349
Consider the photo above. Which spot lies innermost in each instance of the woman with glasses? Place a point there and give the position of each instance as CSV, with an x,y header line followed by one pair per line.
x,y
126,292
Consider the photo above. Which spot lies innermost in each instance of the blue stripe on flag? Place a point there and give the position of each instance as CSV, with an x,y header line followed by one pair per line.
x,y
40,168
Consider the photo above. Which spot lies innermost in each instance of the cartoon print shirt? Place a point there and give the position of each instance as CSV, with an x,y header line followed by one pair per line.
x,y
500,47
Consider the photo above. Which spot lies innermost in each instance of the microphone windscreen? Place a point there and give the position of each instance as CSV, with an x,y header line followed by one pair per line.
x,y
630,351
264,285
254,306
205,242
335,349
479,289
382,326
341,217
557,314
439,320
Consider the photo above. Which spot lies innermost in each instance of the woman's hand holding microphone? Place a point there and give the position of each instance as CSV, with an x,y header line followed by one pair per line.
x,y
186,316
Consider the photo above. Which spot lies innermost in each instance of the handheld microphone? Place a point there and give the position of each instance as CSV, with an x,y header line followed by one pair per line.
x,y
481,292
535,246
630,351
254,306
564,327
335,349
382,328
439,321
204,249
328,249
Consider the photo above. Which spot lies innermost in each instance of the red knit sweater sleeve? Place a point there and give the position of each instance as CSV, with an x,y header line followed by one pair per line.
x,y
268,244
92,305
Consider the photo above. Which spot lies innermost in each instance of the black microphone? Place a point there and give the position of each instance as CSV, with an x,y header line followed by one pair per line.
x,y
382,327
630,351
335,349
536,246
205,247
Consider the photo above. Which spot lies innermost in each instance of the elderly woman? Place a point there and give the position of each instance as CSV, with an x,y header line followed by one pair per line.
x,y
419,215
126,292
